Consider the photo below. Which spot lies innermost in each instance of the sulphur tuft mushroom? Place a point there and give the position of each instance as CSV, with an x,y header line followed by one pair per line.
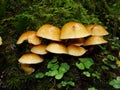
x,y
94,40
76,50
28,59
97,30
30,36
49,31
57,48
39,49
73,30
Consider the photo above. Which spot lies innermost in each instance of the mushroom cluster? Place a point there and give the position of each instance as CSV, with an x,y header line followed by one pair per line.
x,y
71,39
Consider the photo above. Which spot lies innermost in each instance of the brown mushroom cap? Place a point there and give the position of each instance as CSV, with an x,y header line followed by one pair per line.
x,y
76,50
72,30
30,58
27,69
39,49
97,30
57,48
30,36
94,40
48,31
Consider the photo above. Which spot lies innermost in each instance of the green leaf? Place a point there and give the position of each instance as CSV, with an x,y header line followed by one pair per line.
x,y
96,74
64,83
53,64
111,57
54,60
54,67
59,75
71,83
115,82
86,73
62,70
88,62
51,73
64,67
80,66
39,75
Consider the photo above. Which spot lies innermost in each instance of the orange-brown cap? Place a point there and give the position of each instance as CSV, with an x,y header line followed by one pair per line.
x,y
72,30
94,40
30,36
30,58
49,31
97,30
27,69
76,50
57,48
39,49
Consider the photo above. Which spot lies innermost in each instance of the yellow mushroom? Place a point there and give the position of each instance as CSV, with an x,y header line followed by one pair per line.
x,y
50,32
73,30
30,36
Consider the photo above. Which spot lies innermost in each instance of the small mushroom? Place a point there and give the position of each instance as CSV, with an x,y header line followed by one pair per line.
x,y
0,40
50,32
73,30
94,40
28,59
39,49
30,36
76,50
57,48
97,30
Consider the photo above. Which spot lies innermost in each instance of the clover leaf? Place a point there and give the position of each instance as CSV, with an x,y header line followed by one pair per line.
x,y
115,82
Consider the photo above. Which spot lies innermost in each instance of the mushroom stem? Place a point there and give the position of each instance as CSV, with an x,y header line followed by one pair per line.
x,y
27,69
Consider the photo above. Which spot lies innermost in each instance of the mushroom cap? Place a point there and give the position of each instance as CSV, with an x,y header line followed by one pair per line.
x,y
39,49
30,36
76,50
76,42
94,40
97,30
57,48
48,31
27,69
0,40
72,30
30,58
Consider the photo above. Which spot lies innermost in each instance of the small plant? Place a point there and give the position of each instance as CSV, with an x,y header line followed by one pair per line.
x,y
85,65
55,69
115,82
65,83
